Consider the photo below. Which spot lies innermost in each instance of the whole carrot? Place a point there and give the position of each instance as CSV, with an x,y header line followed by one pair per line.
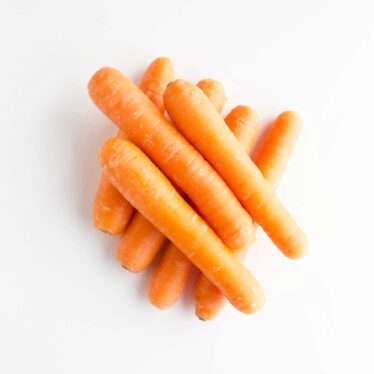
x,y
111,212
152,194
145,126
272,160
171,274
141,241
200,123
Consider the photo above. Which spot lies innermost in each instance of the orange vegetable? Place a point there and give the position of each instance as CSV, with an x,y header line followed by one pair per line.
x,y
214,91
139,244
111,211
171,274
199,122
152,194
244,124
272,160
146,127
141,241
169,278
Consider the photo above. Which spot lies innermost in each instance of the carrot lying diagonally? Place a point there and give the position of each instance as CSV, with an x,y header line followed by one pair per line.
x,y
196,118
172,272
141,241
111,212
145,126
152,194
271,160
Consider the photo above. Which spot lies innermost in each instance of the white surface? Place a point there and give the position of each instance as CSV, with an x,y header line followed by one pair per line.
x,y
66,306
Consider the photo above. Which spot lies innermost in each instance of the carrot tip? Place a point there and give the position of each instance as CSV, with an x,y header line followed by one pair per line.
x,y
201,319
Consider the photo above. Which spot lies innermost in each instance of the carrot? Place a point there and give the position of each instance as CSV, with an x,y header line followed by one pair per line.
x,y
152,194
277,149
171,274
139,244
244,124
154,81
146,127
169,278
214,91
111,211
200,123
272,160
141,241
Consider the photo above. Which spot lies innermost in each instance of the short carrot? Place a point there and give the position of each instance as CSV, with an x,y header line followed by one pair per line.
x,y
111,212
199,122
146,127
171,274
141,241
152,194
271,160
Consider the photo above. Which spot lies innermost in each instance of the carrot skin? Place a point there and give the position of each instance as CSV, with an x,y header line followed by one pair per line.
x,y
199,122
152,194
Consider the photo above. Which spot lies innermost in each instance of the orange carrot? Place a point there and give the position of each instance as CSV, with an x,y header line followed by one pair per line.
x,y
169,278
277,149
272,160
154,81
152,194
214,91
146,127
200,123
139,244
172,272
141,241
244,124
111,211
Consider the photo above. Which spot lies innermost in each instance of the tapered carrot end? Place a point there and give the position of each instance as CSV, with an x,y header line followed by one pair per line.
x,y
298,246
111,147
214,91
290,118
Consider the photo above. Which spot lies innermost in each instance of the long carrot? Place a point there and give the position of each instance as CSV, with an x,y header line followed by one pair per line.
x,y
152,194
271,160
111,212
200,123
171,274
145,126
141,241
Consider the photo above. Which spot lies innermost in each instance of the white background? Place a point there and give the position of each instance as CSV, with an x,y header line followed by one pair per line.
x,y
66,306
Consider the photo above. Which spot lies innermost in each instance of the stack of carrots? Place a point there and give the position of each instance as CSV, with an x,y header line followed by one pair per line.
x,y
186,184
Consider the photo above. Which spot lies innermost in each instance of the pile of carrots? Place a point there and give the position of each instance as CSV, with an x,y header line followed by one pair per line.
x,y
185,184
